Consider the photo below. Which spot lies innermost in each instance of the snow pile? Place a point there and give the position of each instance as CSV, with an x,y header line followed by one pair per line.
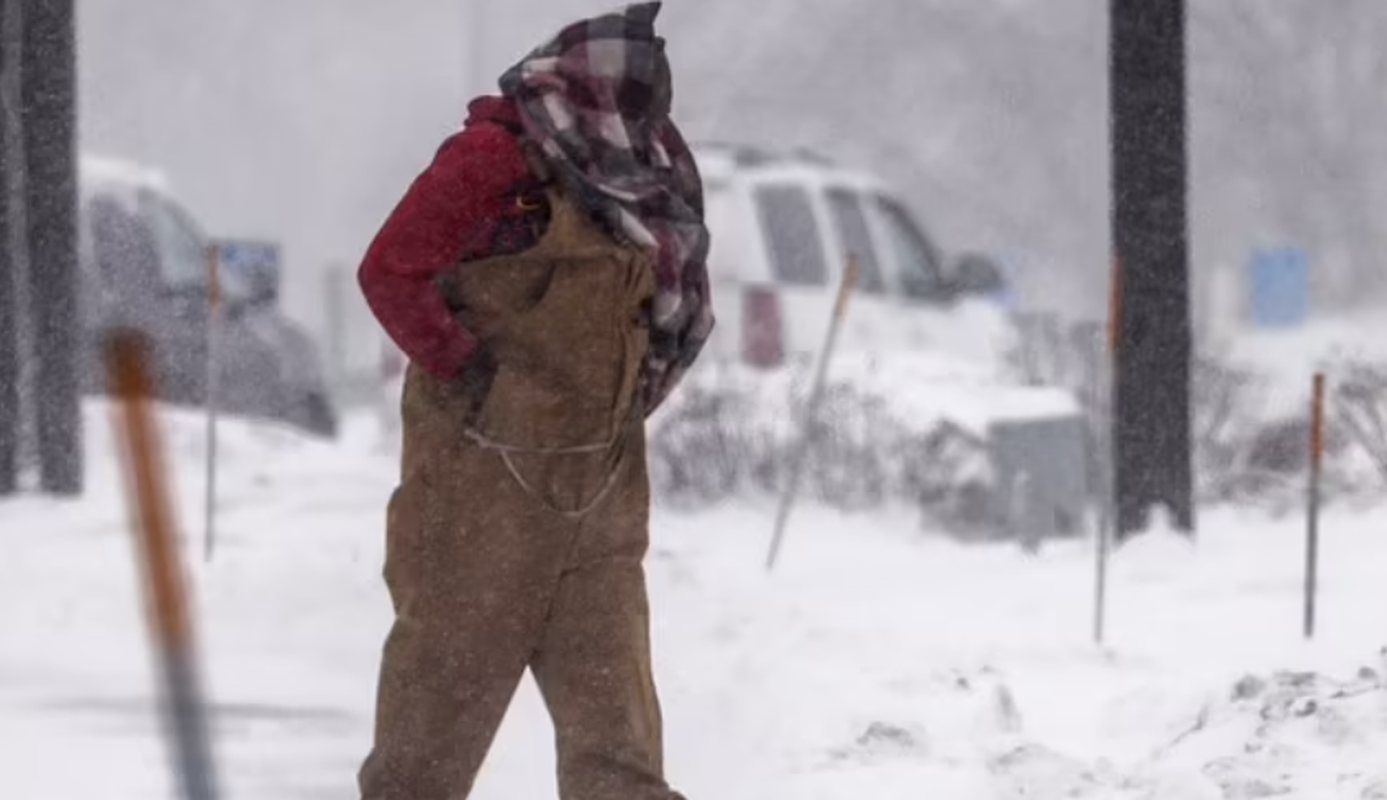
x,y
966,672
871,663
1290,732
1159,554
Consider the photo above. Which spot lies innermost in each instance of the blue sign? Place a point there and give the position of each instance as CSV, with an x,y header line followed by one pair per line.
x,y
1279,288
1012,267
250,270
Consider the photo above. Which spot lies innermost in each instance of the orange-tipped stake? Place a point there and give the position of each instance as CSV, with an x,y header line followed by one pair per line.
x,y
1312,505
166,594
1105,515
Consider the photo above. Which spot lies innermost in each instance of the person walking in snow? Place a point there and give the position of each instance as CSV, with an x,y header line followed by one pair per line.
x,y
546,277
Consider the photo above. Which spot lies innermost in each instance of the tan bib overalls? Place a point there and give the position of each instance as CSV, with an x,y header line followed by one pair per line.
x,y
517,534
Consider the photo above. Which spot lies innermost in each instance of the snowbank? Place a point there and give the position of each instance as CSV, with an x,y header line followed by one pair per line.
x,y
873,663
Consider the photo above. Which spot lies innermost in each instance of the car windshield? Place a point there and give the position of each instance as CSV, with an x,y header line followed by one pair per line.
x,y
182,246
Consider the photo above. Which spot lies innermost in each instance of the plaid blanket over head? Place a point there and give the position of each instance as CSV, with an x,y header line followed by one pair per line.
x,y
586,99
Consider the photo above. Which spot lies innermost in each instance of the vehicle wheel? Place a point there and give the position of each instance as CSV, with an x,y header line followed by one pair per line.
x,y
314,413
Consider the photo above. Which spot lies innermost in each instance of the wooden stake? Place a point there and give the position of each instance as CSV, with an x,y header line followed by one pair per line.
x,y
127,358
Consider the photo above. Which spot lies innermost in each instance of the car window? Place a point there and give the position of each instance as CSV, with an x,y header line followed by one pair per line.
x,y
851,224
792,234
917,262
124,249
182,249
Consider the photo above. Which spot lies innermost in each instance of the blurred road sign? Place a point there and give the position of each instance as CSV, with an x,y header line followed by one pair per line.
x,y
1279,287
250,269
1011,296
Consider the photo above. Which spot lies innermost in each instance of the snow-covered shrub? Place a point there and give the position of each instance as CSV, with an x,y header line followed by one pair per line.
x,y
1358,409
701,453
1225,425
1244,451
876,439
846,465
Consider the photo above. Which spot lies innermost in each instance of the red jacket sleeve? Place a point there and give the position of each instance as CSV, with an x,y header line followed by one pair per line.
x,y
449,211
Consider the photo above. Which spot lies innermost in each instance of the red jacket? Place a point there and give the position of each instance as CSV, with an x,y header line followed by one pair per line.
x,y
474,200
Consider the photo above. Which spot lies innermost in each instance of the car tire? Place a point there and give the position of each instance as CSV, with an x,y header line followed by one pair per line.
x,y
314,413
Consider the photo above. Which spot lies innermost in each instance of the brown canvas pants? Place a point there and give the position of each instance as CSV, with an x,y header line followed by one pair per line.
x,y
516,537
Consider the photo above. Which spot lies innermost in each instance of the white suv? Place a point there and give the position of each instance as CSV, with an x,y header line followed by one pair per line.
x,y
783,226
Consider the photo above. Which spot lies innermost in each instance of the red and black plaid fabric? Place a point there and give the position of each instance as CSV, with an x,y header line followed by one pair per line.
x,y
589,98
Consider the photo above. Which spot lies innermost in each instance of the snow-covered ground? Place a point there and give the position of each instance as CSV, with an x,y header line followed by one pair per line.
x,y
876,662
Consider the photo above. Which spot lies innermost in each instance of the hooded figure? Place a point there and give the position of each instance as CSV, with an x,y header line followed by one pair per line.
x,y
545,277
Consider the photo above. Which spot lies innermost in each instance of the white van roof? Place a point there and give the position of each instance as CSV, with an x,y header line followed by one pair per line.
x,y
97,171
721,163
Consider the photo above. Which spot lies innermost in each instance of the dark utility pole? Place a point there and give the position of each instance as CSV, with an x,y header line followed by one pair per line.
x,y
38,239
50,148
1151,245
10,38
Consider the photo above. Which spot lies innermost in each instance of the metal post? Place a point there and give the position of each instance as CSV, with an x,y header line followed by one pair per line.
x,y
840,308
335,288
213,386
167,598
1312,520
1100,582
1102,376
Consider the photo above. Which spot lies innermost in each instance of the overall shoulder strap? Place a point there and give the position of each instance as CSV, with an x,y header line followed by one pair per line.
x,y
539,165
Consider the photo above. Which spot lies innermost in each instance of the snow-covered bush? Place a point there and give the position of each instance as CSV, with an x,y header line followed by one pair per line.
x,y
700,454
1358,409
886,432
732,433
1221,425
1245,451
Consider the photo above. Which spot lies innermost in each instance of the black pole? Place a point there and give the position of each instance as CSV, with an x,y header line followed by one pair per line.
x,y
50,145
9,268
1151,243
9,352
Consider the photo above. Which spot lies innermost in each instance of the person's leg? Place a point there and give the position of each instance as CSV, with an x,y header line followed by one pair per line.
x,y
470,571
593,663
